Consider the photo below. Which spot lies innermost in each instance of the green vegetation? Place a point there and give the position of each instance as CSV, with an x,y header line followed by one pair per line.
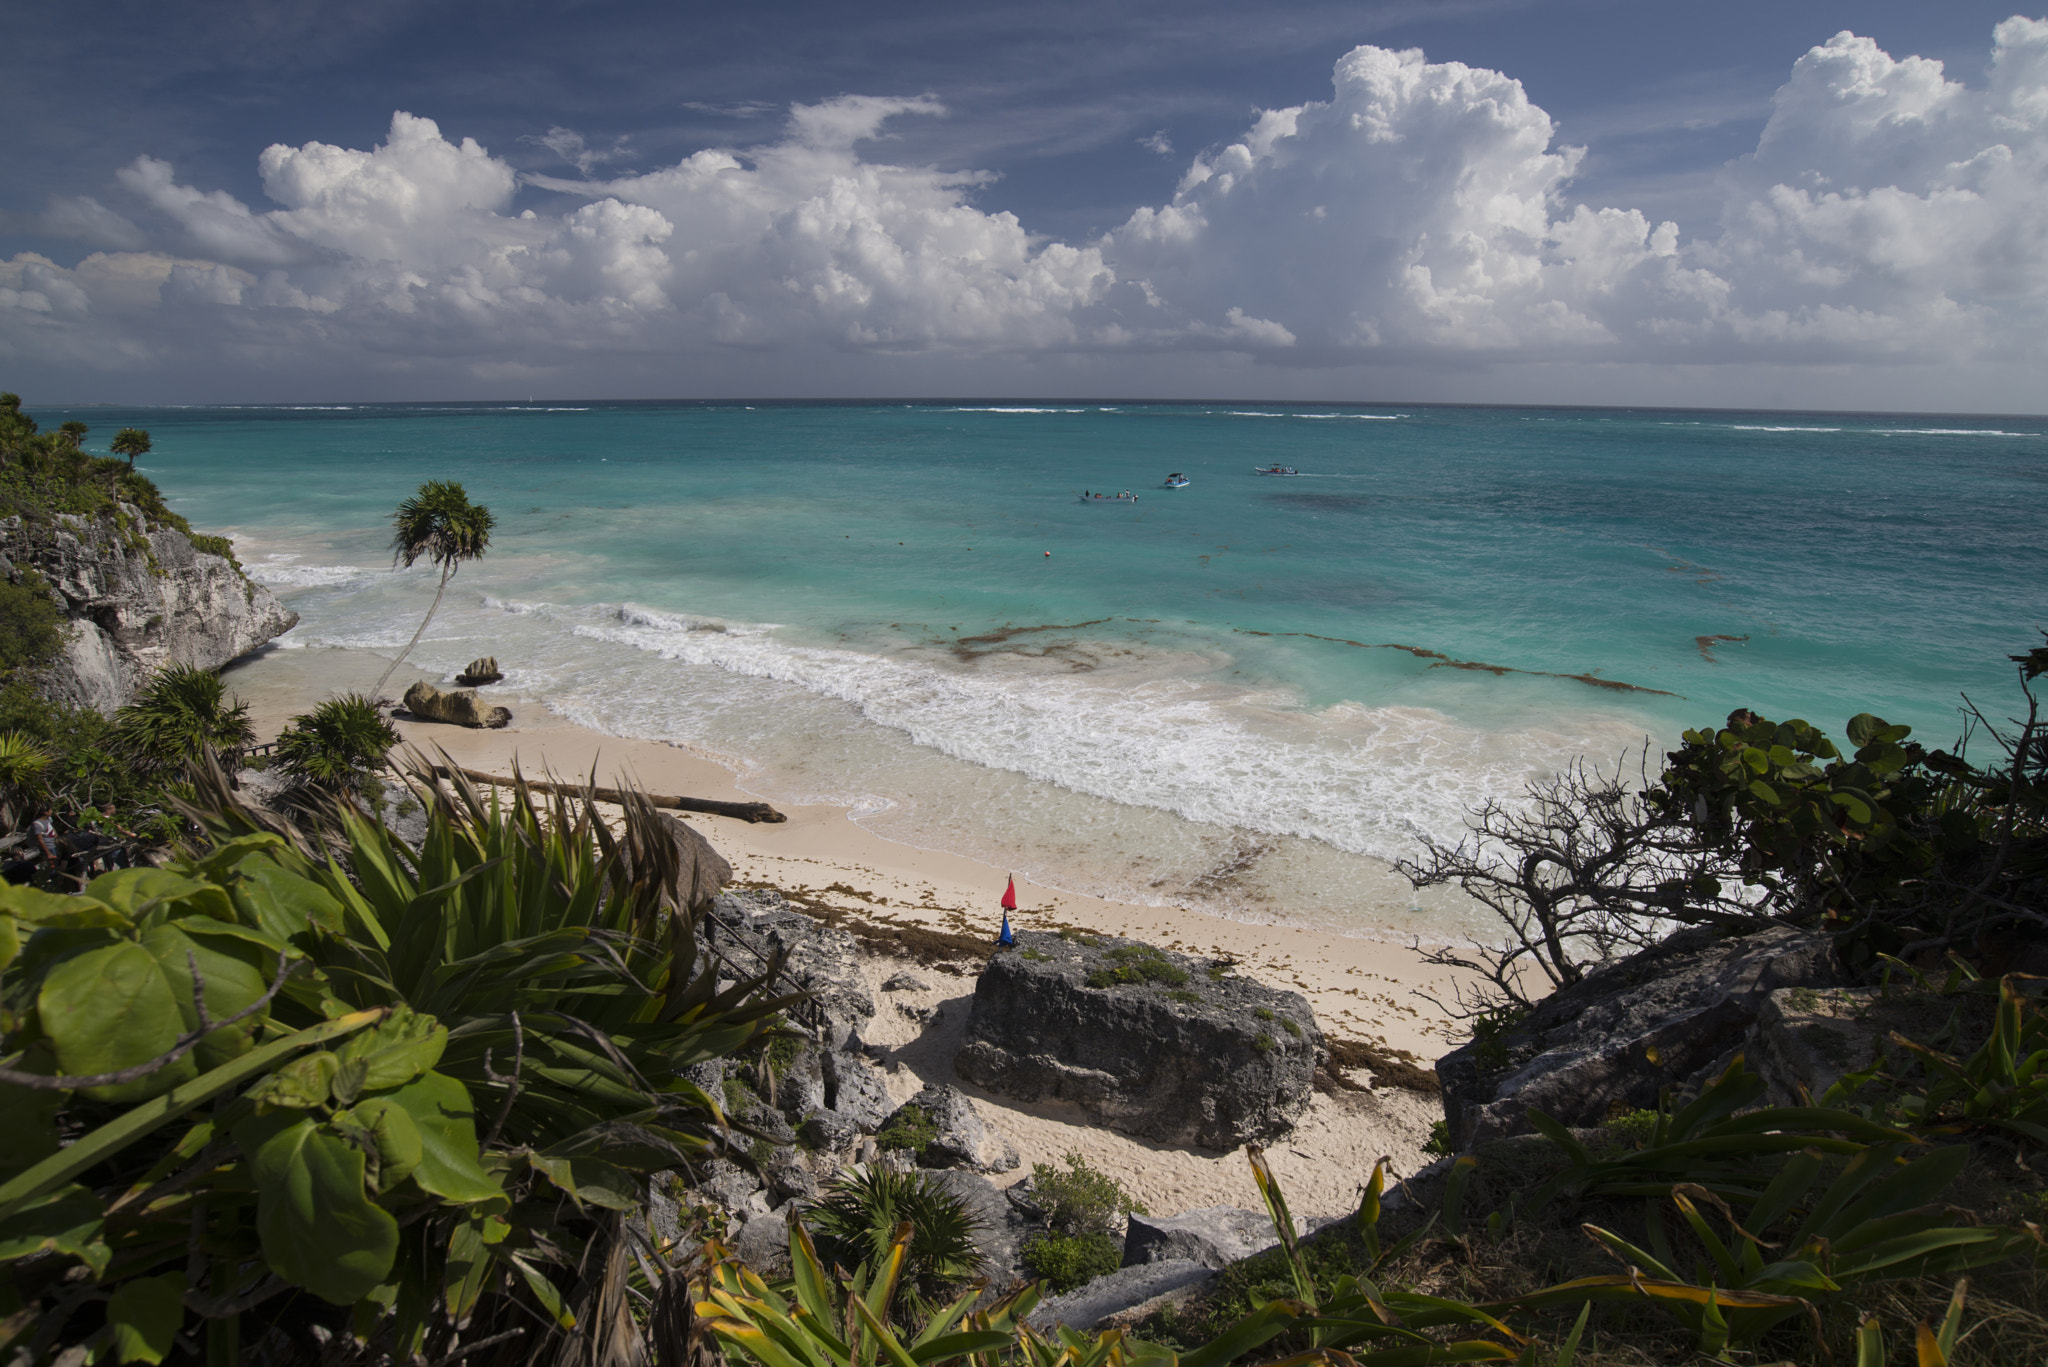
x,y
1262,1013
43,475
322,1079
1262,1043
31,623
1291,1028
181,716
1181,994
336,745
910,1128
857,1219
1137,964
1083,1211
440,524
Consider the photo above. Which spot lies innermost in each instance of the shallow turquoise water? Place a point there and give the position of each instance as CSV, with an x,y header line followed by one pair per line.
x,y
1237,694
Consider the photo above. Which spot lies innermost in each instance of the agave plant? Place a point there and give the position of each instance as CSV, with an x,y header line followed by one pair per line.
x,y
183,714
22,764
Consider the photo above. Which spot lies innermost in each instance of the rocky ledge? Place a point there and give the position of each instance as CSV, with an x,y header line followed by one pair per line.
x,y
137,601
1149,1042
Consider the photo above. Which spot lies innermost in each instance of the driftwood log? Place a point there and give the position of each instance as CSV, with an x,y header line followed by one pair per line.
x,y
745,811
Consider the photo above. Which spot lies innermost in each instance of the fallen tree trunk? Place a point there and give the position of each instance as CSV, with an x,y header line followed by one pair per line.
x,y
745,811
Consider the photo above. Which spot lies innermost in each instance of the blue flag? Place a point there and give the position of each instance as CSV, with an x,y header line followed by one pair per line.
x,y
1008,939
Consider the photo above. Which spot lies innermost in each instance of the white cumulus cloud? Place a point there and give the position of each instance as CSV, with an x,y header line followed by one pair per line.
x,y
1421,215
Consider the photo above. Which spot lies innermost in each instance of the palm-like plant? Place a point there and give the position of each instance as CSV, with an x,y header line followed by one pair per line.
x,y
335,744
130,442
441,524
857,1224
183,713
73,433
22,762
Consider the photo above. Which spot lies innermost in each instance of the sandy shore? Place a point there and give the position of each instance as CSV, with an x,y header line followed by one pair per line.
x,y
1360,989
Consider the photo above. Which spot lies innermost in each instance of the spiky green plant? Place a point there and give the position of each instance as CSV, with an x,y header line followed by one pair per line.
x,y
22,764
130,442
337,744
183,714
856,1223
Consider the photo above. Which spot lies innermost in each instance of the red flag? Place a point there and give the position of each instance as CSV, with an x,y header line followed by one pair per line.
x,y
1010,895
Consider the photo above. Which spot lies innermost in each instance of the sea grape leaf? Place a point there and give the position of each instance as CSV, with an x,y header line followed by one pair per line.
x,y
302,1084
111,1009
401,1047
387,1128
138,892
144,1314
46,908
318,1227
219,862
281,903
10,939
590,1179
449,1163
232,985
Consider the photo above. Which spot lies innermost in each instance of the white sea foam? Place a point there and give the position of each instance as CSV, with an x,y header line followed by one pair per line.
x,y
1752,427
1946,432
282,571
1364,780
1016,410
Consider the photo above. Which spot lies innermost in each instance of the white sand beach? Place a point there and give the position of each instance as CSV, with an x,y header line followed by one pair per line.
x,y
1361,989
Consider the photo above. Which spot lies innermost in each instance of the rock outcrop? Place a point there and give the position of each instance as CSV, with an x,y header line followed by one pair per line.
x,y
747,927
137,602
1806,1039
458,706
480,672
959,1138
1149,1042
1673,1014
1214,1236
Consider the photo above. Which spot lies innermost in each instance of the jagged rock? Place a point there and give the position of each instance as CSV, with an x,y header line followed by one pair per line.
x,y
963,1140
789,1180
1672,1014
762,1243
1085,1307
135,608
1185,1058
904,981
458,706
854,1090
1214,1236
480,672
1003,1227
733,1189
1806,1039
748,926
829,1132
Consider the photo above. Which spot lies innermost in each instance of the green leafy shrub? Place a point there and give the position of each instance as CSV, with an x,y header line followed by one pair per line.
x,y
1179,994
181,715
1263,1013
1065,1261
31,623
1262,1043
1080,1199
910,1128
1291,1028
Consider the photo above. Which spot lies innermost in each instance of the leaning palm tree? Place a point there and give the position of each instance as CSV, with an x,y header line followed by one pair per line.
x,y
440,523
130,442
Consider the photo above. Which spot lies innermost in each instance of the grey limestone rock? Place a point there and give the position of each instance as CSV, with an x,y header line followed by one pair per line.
x,y
1672,1014
763,1243
734,1189
136,606
1186,1057
1807,1039
1085,1307
854,1090
963,1140
829,1132
905,981
1214,1236
1003,1227
748,926
456,706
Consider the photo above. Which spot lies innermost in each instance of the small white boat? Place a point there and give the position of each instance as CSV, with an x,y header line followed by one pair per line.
x,y
1176,480
1125,497
1274,470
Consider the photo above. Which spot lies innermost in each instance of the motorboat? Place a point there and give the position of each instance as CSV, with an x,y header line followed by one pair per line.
x,y
1274,470
1125,497
1176,481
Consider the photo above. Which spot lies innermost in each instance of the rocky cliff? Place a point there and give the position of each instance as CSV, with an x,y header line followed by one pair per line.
x,y
137,600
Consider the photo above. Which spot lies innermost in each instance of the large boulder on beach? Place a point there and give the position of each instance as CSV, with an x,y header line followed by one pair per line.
x,y
748,927
1153,1043
457,706
1214,1236
1671,1016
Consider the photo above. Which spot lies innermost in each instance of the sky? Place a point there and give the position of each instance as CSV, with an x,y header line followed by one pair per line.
x,y
1803,204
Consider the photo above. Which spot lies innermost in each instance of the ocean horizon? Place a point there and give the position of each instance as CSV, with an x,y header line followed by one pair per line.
x,y
1247,696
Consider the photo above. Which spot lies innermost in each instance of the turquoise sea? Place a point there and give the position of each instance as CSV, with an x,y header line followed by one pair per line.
x,y
1245,695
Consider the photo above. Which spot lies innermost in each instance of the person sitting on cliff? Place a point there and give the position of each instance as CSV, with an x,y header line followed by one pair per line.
x,y
44,831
